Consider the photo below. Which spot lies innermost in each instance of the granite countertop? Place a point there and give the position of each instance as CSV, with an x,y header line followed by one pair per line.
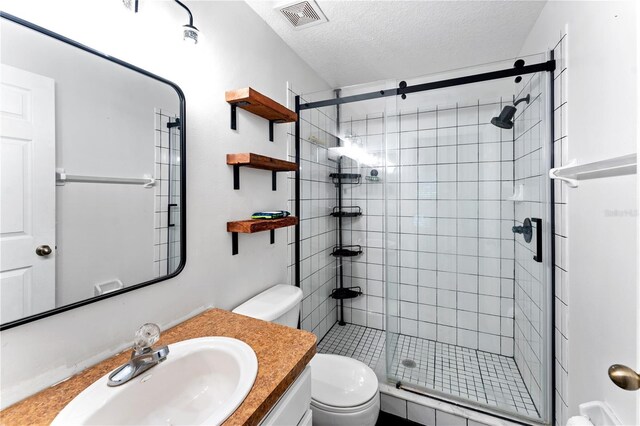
x,y
282,353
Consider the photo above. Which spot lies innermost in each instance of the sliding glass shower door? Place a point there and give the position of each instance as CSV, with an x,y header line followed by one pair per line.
x,y
468,285
424,243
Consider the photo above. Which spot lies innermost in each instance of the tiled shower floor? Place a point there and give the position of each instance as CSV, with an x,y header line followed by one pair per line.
x,y
467,373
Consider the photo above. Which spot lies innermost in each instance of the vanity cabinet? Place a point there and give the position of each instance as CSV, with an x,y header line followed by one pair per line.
x,y
294,407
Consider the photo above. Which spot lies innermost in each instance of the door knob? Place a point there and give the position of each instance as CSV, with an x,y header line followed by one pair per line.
x,y
43,250
624,377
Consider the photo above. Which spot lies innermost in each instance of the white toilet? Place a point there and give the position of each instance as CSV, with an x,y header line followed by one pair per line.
x,y
344,391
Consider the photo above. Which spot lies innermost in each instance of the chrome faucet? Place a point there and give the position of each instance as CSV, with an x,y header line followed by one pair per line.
x,y
143,356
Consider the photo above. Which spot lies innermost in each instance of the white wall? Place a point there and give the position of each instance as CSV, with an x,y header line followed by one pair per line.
x,y
600,248
236,49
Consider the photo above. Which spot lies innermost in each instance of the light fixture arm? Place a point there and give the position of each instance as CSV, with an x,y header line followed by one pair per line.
x,y
188,11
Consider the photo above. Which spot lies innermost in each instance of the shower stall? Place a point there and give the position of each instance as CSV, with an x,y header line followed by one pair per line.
x,y
437,271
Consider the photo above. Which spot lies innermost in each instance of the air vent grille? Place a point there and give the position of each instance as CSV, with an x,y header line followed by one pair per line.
x,y
305,13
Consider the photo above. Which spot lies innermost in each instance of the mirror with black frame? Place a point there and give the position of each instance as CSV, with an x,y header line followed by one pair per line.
x,y
92,175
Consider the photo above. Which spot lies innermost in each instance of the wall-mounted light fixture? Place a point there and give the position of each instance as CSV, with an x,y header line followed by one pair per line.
x,y
189,31
132,5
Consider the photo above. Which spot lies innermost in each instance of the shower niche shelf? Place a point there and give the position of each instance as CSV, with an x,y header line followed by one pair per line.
x,y
346,293
256,103
346,211
251,226
346,251
255,161
345,178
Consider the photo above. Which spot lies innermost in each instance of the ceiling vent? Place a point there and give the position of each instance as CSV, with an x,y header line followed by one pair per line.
x,y
302,14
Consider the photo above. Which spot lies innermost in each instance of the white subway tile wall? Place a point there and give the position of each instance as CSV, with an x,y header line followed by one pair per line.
x,y
421,414
366,270
317,227
167,191
561,297
529,274
448,174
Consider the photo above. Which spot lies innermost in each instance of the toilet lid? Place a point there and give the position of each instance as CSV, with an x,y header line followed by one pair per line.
x,y
339,381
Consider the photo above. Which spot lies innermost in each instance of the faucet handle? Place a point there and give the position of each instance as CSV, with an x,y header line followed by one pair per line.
x,y
146,337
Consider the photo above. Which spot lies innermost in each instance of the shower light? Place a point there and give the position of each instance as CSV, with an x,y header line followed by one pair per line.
x,y
351,147
189,32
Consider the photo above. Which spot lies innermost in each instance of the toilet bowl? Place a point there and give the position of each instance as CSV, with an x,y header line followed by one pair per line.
x,y
344,391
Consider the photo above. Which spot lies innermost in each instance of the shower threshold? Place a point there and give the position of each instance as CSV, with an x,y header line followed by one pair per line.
x,y
478,376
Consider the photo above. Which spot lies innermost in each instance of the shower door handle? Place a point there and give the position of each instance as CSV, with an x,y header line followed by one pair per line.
x,y
538,256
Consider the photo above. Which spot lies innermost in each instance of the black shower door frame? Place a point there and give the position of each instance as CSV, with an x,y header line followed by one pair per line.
x,y
402,90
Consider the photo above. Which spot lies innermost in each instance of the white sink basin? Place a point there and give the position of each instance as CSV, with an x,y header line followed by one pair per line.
x,y
203,381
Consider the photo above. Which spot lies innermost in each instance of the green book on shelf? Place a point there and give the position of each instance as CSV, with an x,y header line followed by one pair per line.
x,y
270,215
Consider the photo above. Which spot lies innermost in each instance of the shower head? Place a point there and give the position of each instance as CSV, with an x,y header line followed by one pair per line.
x,y
504,119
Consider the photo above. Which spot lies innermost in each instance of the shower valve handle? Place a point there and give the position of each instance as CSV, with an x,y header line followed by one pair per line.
x,y
525,230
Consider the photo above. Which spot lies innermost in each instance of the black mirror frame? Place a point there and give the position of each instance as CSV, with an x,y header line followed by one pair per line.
x,y
183,177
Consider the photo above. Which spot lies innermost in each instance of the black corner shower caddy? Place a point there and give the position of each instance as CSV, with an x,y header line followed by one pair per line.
x,y
340,251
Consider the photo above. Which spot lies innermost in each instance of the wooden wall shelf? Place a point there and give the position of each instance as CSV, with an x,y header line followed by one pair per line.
x,y
260,105
256,161
252,226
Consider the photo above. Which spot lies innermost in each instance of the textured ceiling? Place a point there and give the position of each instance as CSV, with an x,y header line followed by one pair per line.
x,y
366,41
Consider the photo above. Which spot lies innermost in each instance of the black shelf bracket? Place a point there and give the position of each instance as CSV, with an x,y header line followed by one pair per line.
x,y
234,243
234,123
234,240
236,178
234,119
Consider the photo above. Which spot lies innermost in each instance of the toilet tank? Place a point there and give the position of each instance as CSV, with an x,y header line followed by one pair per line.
x,y
279,304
